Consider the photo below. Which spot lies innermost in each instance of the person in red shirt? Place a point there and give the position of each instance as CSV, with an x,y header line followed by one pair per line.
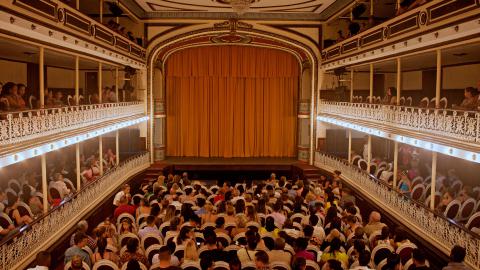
x,y
124,207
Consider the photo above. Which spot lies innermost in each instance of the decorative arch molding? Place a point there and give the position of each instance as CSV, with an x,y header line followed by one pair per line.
x,y
234,32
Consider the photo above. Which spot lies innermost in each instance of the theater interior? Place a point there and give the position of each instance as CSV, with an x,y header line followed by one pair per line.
x,y
239,134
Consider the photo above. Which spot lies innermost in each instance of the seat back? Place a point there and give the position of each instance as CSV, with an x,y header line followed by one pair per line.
x,y
424,102
417,192
452,209
381,252
467,209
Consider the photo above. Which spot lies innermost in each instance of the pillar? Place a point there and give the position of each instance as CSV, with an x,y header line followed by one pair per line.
x,y
77,79
116,84
399,79
371,82
77,158
100,82
351,85
369,154
41,75
44,183
117,147
433,181
395,164
349,146
438,86
100,153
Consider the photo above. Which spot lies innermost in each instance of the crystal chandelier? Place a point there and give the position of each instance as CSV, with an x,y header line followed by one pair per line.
x,y
240,6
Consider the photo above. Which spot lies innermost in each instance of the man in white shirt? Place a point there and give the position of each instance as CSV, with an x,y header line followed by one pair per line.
x,y
150,228
43,261
124,192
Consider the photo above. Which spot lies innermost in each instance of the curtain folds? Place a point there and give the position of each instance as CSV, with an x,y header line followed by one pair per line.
x,y
231,101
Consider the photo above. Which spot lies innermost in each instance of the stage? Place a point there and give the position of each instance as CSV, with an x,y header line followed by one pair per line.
x,y
234,169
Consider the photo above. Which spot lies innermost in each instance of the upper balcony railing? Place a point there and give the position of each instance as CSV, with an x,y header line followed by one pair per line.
x,y
453,124
21,126
65,18
17,250
435,22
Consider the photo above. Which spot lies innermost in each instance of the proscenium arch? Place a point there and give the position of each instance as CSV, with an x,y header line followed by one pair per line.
x,y
156,47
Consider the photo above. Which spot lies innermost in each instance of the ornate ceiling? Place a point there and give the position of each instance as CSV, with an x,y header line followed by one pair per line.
x,y
260,9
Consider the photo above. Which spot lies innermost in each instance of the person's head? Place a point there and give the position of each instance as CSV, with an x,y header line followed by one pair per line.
x,y
76,263
457,254
150,221
133,265
21,89
186,233
82,226
364,258
126,188
210,237
58,95
393,261
9,88
333,265
418,257
261,259
279,243
230,210
219,222
123,200
80,239
374,217
299,263
252,239
470,92
191,251
43,259
335,245
270,224
58,177
400,235
132,245
301,244
391,91
101,245
164,254
385,233
308,231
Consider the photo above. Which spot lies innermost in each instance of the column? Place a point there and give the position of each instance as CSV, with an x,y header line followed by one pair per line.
x,y
371,83
77,79
101,11
349,146
77,157
399,79
395,164
438,86
100,82
433,181
77,5
41,75
351,85
116,84
100,153
117,147
44,183
369,156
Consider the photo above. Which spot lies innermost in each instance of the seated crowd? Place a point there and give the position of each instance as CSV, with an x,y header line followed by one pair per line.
x,y
176,223
13,98
21,202
120,29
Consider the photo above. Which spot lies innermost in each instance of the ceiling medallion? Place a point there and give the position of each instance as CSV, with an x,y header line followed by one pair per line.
x,y
231,38
239,6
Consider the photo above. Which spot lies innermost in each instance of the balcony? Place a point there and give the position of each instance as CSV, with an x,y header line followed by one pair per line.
x,y
46,230
437,22
57,24
421,127
434,228
31,128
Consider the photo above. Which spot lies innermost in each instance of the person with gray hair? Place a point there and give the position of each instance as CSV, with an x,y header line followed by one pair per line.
x,y
82,227
374,223
278,254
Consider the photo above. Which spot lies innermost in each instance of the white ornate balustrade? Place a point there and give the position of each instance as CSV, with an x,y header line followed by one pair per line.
x,y
18,127
433,228
16,254
457,125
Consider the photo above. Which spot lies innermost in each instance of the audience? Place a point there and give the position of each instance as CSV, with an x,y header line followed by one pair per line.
x,y
80,241
457,255
43,261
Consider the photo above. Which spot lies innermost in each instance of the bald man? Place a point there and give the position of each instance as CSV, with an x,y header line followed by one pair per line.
x,y
374,223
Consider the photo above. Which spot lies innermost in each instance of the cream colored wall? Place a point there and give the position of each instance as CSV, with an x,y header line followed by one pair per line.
x,y
460,77
13,72
412,80
60,78
330,30
134,27
361,81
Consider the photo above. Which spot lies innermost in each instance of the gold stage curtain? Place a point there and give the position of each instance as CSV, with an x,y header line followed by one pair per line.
x,y
231,101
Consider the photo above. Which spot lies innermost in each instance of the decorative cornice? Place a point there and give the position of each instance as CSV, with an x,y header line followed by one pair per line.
x,y
230,15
